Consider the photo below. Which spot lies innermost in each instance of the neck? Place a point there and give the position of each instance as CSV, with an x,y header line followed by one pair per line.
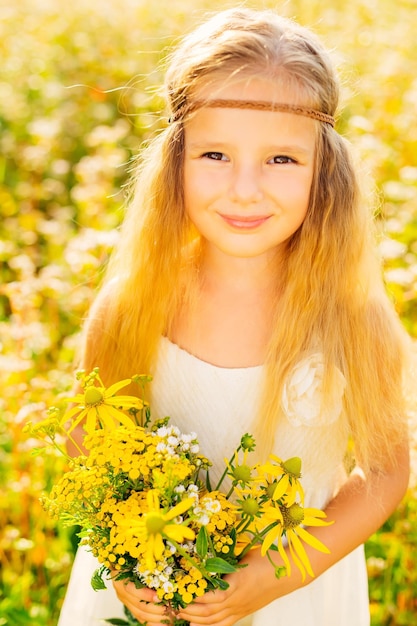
x,y
239,274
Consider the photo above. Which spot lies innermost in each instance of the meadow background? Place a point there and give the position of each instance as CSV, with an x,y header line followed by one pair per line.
x,y
79,94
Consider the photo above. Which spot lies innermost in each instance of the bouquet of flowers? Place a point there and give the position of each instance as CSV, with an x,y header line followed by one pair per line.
x,y
142,495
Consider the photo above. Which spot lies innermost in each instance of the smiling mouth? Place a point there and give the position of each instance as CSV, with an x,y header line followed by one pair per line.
x,y
247,222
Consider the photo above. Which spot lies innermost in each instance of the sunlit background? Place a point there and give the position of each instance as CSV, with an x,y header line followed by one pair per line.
x,y
79,93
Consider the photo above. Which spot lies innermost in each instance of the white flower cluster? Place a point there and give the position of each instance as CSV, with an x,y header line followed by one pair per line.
x,y
205,510
158,578
175,441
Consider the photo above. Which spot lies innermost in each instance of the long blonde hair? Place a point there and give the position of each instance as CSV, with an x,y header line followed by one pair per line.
x,y
332,293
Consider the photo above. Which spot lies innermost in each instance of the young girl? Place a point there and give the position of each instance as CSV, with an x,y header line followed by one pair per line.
x,y
246,283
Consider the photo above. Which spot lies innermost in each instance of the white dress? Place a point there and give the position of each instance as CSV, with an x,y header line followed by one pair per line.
x,y
219,405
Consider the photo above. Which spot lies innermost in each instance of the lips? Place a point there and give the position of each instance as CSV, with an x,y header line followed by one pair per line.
x,y
246,222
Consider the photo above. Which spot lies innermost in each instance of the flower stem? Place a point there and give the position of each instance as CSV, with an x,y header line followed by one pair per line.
x,y
190,559
223,476
74,443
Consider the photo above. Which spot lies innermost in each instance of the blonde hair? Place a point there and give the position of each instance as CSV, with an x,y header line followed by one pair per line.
x,y
332,294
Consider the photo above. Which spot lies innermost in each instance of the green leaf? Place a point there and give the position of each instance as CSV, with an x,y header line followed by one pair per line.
x,y
116,621
219,566
222,584
201,543
97,581
38,451
132,621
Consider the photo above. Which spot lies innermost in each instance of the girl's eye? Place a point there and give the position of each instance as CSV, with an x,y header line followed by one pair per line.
x,y
215,156
281,158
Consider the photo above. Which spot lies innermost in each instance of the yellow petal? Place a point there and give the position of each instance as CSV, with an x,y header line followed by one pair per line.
x,y
281,487
272,514
276,458
91,421
284,556
125,402
71,412
105,417
116,387
149,554
158,547
179,508
301,553
77,421
269,468
269,540
296,560
314,512
311,540
109,411
152,500
78,399
313,521
292,492
178,533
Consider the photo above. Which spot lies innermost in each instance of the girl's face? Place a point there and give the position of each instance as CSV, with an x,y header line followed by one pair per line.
x,y
248,173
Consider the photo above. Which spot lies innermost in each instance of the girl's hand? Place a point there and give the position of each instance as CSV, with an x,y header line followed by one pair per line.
x,y
242,598
142,603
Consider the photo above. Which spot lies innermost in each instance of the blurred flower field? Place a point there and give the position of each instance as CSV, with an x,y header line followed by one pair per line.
x,y
78,97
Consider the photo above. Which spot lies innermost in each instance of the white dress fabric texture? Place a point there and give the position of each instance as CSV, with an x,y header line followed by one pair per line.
x,y
219,404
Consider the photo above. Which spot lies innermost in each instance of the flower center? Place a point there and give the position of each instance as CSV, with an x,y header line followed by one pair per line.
x,y
155,524
248,442
293,466
242,473
270,490
93,396
250,506
293,515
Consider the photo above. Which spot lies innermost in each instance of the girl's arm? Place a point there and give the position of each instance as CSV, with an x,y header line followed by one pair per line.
x,y
358,510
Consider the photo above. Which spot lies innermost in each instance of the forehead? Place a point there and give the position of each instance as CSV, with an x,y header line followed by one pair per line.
x,y
252,87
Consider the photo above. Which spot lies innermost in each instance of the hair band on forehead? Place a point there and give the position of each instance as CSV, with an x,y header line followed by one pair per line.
x,y
256,105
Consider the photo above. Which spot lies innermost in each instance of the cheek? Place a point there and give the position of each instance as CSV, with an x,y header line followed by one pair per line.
x,y
199,187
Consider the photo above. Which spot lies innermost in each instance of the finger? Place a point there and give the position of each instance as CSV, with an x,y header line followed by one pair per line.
x,y
148,613
219,620
212,597
204,614
127,590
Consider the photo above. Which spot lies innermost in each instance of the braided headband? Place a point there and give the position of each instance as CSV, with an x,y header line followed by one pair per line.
x,y
257,105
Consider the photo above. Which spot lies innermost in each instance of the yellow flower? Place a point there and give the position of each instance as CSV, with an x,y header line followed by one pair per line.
x,y
283,479
240,473
98,404
288,522
154,525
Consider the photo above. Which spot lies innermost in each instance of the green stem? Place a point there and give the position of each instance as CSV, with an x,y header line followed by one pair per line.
x,y
50,441
186,556
256,539
190,559
243,524
210,541
61,450
223,476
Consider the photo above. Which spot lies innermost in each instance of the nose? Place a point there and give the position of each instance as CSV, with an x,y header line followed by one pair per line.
x,y
246,187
